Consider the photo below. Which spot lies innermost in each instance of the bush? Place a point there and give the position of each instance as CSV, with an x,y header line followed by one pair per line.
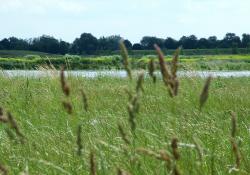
x,y
32,57
71,57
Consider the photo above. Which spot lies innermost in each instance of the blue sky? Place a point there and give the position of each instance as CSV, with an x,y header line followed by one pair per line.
x,y
132,19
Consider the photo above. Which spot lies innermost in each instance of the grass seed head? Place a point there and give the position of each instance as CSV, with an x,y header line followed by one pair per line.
x,y
204,93
92,164
3,169
14,125
123,134
65,87
174,145
174,65
85,100
68,107
79,140
124,54
234,124
151,69
140,82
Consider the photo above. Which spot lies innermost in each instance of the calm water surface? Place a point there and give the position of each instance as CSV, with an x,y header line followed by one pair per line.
x,y
117,73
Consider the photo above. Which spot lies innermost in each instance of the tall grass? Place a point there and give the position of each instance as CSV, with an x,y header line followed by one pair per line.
x,y
107,133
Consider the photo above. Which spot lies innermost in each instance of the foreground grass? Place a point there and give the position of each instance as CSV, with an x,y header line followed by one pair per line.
x,y
51,133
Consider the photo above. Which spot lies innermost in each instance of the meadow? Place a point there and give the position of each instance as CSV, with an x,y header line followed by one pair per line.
x,y
135,125
50,142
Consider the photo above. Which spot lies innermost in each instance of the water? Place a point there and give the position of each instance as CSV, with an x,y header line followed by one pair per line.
x,y
117,73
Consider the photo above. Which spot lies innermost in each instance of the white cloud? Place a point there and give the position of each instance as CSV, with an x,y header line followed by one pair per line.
x,y
43,6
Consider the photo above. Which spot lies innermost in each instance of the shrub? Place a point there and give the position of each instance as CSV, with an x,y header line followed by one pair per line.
x,y
32,57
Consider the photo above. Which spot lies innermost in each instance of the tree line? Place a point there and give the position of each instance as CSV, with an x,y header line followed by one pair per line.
x,y
89,44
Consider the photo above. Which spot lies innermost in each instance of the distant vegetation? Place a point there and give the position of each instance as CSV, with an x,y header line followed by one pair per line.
x,y
75,62
87,44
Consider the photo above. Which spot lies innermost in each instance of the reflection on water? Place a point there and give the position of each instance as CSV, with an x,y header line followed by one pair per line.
x,y
117,73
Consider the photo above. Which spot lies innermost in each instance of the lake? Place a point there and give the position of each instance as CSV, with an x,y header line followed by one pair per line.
x,y
117,73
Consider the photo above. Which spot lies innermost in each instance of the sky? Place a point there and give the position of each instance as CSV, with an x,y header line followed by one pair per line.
x,y
131,19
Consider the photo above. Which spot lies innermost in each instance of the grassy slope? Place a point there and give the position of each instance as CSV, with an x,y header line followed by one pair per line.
x,y
51,132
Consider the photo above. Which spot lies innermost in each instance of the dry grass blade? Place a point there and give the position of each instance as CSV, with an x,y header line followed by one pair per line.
x,y
204,93
140,82
85,100
174,145
124,54
3,170
151,70
79,140
123,134
14,125
160,156
92,164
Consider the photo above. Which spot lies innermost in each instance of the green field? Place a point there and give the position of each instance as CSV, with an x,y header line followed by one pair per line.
x,y
197,62
50,144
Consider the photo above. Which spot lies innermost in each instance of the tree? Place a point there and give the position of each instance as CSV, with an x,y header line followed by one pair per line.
x,y
87,43
45,43
128,44
148,42
230,40
212,42
170,43
137,46
109,43
18,44
203,43
63,47
245,40
5,44
189,42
